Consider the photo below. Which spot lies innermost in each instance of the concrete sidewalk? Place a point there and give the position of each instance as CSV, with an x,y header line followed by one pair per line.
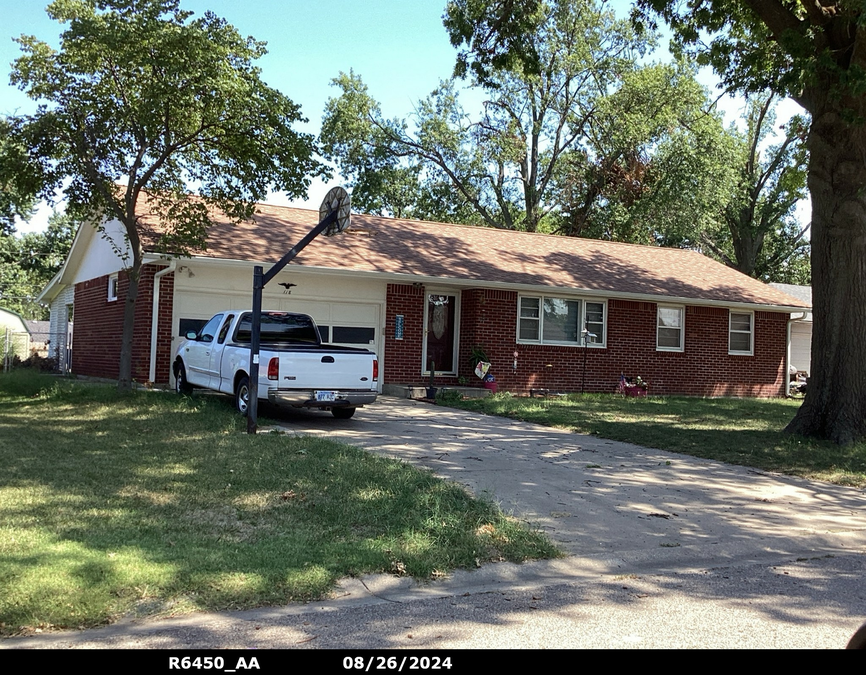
x,y
665,550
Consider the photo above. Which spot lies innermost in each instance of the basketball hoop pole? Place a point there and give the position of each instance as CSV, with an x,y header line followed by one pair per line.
x,y
260,280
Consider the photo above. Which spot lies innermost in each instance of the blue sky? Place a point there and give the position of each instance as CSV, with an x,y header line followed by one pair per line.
x,y
399,47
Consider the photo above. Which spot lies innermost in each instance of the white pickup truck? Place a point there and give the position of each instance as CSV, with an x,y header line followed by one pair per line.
x,y
295,369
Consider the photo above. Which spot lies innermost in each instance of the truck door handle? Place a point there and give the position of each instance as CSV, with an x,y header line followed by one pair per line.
x,y
327,359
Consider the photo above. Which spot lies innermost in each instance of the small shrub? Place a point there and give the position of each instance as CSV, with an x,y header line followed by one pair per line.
x,y
448,396
41,363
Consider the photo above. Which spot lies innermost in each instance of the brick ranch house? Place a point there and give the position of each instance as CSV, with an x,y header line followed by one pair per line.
x,y
420,292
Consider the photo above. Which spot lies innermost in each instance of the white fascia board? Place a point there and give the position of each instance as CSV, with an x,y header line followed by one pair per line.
x,y
53,289
475,283
57,283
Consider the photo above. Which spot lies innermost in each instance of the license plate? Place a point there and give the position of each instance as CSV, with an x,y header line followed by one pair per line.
x,y
325,396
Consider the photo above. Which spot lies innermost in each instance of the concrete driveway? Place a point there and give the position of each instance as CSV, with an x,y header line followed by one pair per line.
x,y
612,501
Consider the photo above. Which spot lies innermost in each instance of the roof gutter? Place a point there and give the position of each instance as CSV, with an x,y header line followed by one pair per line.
x,y
154,317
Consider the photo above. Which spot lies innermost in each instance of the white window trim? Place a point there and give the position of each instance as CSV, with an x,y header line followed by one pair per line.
x,y
540,341
682,311
751,334
112,287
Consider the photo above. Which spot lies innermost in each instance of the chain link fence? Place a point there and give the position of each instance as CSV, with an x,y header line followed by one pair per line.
x,y
44,350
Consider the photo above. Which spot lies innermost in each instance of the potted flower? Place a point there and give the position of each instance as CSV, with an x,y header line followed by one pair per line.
x,y
632,386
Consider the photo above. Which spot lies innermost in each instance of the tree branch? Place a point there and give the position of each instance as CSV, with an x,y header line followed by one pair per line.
x,y
775,15
818,14
705,239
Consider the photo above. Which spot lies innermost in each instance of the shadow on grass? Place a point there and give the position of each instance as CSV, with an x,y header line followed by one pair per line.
x,y
155,503
747,432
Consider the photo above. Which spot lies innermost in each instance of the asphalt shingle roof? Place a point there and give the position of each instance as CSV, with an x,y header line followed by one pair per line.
x,y
460,252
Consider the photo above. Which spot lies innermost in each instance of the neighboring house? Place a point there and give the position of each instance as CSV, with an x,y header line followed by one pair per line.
x,y
40,336
801,329
60,296
419,292
14,336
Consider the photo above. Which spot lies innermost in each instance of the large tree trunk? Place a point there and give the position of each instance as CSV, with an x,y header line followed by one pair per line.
x,y
124,380
835,404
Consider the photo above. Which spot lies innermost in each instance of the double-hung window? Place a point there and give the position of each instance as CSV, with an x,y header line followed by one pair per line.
x,y
560,321
670,329
741,333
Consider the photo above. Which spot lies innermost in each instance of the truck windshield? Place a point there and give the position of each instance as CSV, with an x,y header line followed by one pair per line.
x,y
279,328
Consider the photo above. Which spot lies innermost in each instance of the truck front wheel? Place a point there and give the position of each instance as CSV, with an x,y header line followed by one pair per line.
x,y
181,386
242,396
343,413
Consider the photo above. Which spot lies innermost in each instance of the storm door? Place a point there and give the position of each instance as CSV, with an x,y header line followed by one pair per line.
x,y
440,344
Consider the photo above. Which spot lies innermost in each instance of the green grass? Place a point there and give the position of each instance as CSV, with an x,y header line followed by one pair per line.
x,y
738,431
154,504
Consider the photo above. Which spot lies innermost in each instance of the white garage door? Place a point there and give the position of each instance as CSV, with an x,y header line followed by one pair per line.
x,y
801,345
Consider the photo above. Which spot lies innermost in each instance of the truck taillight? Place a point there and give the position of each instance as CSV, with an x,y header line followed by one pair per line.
x,y
274,369
375,370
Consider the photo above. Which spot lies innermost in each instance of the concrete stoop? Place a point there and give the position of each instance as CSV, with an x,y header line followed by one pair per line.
x,y
415,391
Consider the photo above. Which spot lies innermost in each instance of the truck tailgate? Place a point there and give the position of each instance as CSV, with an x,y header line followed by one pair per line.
x,y
324,369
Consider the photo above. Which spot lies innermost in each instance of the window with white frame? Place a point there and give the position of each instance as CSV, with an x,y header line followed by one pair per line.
x,y
741,333
112,288
560,321
594,322
670,329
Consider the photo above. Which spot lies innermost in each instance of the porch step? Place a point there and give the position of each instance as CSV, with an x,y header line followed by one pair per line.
x,y
415,391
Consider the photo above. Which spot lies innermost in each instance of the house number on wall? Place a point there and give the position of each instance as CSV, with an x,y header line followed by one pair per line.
x,y
398,327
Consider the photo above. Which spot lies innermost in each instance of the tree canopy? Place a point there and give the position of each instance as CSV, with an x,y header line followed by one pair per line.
x,y
141,97
757,233
28,262
565,148
20,179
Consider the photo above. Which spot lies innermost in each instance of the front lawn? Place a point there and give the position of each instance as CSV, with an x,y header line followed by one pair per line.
x,y
737,431
155,504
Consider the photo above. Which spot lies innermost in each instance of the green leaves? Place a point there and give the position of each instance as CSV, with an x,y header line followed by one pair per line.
x,y
141,97
494,32
500,167
141,94
28,262
802,50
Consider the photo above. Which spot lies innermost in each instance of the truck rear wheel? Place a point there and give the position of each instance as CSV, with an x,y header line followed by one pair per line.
x,y
242,396
343,413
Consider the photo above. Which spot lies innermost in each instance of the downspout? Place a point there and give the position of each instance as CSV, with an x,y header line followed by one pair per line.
x,y
154,317
788,353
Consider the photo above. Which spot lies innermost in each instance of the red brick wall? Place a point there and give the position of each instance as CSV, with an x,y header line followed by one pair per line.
x,y
164,346
403,357
99,326
489,318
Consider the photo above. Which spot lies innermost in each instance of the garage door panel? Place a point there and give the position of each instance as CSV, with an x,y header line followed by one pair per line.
x,y
354,314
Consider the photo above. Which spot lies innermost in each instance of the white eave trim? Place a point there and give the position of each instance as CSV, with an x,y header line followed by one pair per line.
x,y
475,283
56,285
